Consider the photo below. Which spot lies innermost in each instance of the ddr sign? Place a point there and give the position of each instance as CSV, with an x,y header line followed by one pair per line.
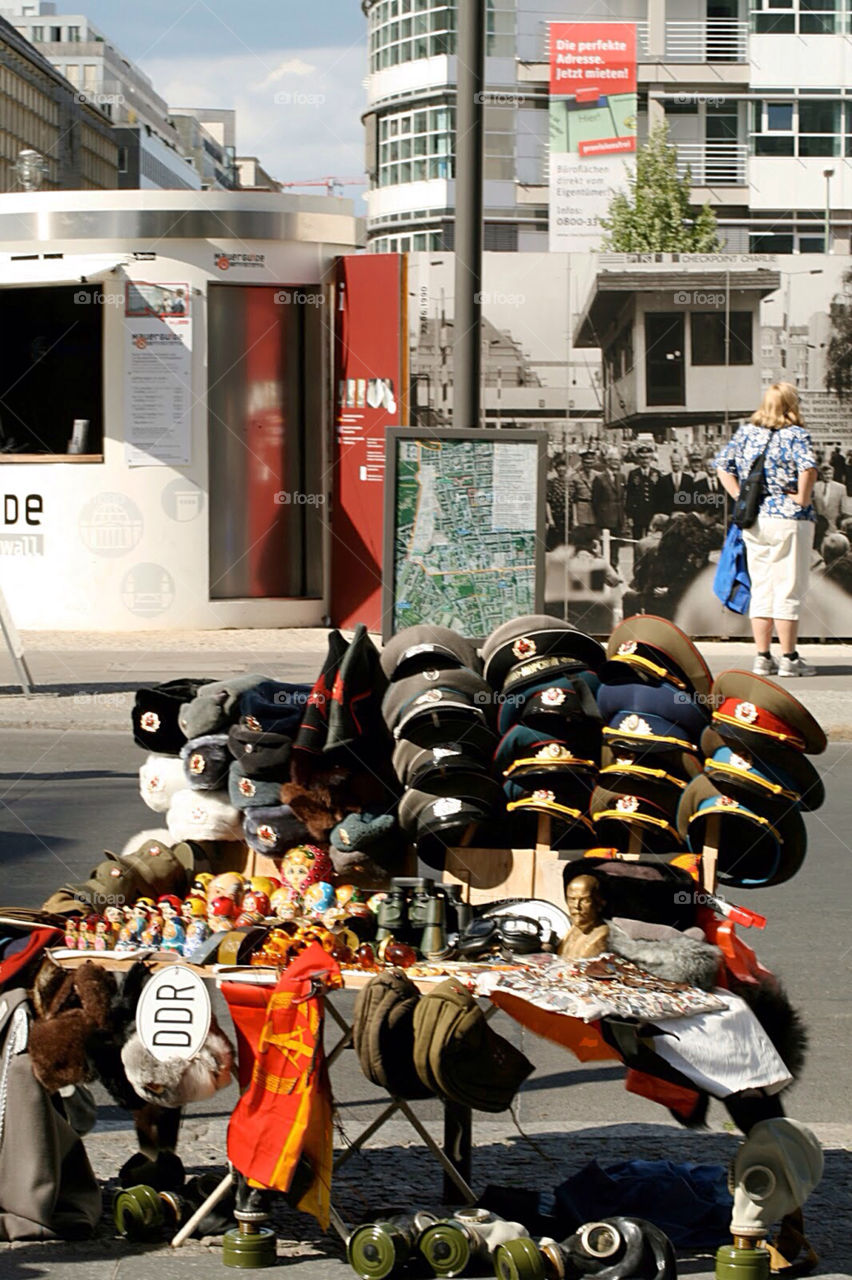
x,y
173,1014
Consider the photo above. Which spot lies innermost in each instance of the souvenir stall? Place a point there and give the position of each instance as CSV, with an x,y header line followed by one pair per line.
x,y
560,830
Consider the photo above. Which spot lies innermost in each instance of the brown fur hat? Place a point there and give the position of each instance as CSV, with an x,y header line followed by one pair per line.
x,y
70,1010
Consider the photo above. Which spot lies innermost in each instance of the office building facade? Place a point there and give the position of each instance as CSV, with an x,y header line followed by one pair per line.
x,y
65,142
754,93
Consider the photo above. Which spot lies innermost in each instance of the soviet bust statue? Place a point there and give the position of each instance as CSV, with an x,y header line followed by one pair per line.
x,y
589,933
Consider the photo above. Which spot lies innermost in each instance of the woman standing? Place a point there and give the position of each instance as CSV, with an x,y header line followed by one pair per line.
x,y
778,544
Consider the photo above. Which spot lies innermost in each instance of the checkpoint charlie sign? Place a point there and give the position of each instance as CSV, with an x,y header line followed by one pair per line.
x,y
173,1014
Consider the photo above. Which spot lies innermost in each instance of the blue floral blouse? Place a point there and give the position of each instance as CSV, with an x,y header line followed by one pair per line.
x,y
790,451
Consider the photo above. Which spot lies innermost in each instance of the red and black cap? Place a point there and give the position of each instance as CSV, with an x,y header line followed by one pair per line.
x,y
761,715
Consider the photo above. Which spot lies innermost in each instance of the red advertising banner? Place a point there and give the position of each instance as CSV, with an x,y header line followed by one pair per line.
x,y
368,393
592,59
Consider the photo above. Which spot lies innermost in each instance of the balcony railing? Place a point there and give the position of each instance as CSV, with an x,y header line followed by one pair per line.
x,y
716,40
713,163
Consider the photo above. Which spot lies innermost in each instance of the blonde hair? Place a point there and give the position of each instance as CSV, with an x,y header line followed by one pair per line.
x,y
779,407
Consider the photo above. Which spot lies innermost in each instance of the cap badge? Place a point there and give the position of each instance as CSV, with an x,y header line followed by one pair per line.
x,y
266,834
439,753
553,697
635,724
431,695
197,814
344,836
196,763
628,647
116,872
246,787
150,722
627,804
446,806
155,782
746,712
552,751
728,801
740,760
154,850
251,722
524,647
431,674
544,796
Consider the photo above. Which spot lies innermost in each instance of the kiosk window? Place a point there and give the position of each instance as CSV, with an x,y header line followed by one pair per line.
x,y
51,363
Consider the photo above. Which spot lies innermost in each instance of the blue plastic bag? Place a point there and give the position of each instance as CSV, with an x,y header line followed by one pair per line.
x,y
731,583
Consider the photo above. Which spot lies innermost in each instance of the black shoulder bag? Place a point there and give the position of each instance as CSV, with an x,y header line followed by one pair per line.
x,y
752,490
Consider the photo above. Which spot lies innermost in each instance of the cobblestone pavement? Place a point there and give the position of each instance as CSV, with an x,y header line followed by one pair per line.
x,y
397,1173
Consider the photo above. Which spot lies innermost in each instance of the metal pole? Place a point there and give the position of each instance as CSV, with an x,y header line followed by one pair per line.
x,y
470,115
828,174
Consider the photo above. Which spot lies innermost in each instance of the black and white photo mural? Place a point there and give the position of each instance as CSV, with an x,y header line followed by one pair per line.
x,y
640,367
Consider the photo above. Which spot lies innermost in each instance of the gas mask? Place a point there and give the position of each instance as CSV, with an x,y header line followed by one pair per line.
x,y
773,1173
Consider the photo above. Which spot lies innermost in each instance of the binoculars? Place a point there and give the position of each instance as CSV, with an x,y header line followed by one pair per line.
x,y
422,914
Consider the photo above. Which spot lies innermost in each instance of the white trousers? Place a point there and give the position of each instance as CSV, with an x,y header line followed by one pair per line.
x,y
778,552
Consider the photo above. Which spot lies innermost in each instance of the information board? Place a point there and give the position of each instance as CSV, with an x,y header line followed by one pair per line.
x,y
464,528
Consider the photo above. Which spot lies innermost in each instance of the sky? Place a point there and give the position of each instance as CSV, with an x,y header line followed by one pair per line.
x,y
292,69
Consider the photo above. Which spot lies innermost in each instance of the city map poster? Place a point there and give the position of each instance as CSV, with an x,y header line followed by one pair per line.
x,y
593,111
464,526
368,381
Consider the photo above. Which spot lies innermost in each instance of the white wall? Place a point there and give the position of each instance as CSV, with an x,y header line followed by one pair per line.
x,y
67,586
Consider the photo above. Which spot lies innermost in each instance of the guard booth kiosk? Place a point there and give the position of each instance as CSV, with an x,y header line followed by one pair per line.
x,y
165,410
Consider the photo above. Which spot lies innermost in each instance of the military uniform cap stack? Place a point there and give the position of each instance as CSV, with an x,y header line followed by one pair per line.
x,y
544,676
442,716
654,699
756,781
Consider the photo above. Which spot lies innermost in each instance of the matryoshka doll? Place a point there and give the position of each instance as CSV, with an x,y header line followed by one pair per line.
x,y
86,934
193,908
197,933
127,939
152,934
255,908
282,904
104,937
304,866
318,898
174,934
72,925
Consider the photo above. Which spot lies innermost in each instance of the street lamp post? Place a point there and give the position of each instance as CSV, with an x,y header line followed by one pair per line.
x,y
828,174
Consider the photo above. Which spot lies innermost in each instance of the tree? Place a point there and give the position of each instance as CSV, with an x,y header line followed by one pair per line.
x,y
655,215
838,355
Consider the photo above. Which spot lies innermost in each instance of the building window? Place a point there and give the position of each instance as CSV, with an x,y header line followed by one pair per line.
x,y
72,72
804,126
37,35
708,338
73,35
56,35
122,159
797,17
416,145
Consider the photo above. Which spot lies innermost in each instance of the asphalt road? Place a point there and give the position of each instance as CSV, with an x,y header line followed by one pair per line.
x,y
67,796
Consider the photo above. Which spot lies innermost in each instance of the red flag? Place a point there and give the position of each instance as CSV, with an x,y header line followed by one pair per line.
x,y
286,1109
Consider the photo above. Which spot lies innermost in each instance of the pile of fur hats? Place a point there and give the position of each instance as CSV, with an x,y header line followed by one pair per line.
x,y
219,752
441,714
543,674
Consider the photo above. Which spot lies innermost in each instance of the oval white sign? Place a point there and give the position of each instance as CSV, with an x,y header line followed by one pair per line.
x,y
173,1014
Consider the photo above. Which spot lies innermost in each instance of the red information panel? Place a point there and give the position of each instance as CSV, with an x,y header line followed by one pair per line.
x,y
368,390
